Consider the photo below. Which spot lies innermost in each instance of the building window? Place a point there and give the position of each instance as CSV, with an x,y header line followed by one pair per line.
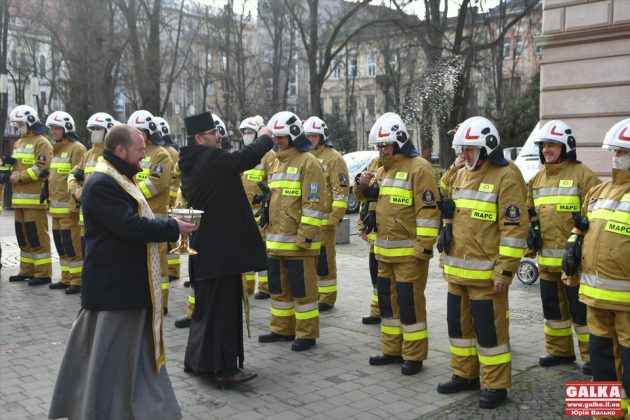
x,y
352,67
518,47
369,104
210,88
539,50
224,63
209,60
370,66
393,60
336,71
506,48
42,65
336,109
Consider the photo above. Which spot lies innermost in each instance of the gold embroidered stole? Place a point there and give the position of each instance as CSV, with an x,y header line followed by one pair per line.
x,y
153,259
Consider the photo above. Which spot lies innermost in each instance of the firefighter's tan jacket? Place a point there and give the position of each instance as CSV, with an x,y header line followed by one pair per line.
x,y
252,177
87,164
155,178
605,267
447,179
336,174
33,154
66,155
407,217
373,166
489,225
557,191
175,181
297,184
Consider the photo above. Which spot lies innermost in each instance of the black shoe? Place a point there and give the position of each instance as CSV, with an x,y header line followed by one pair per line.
x,y
237,379
492,398
384,359
58,285
458,384
371,320
261,295
72,290
550,360
301,344
182,322
172,278
587,369
323,307
272,337
39,281
18,278
187,283
411,367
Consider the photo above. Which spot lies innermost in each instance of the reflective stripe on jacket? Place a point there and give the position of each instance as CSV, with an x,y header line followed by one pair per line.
x,y
33,154
253,176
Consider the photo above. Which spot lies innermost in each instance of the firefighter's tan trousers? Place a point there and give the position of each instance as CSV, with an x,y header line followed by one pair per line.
x,y
31,231
327,267
67,237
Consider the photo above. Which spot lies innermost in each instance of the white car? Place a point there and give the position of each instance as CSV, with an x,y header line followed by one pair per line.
x,y
528,160
357,162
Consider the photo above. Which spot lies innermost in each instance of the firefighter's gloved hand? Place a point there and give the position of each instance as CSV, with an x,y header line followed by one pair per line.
x,y
8,160
371,192
580,222
534,238
79,175
572,255
369,222
265,193
447,207
4,176
263,215
445,238
43,195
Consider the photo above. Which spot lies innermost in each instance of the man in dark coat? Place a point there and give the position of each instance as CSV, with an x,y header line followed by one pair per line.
x,y
228,243
114,362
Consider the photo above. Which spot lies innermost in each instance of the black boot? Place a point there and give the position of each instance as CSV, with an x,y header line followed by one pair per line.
x,y
301,344
323,307
411,367
370,320
587,369
550,360
458,384
182,322
73,290
384,359
261,295
18,278
273,337
58,285
39,281
492,398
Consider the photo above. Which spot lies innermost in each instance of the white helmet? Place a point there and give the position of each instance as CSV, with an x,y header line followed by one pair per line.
x,y
218,122
144,120
286,123
390,129
374,129
25,114
315,125
165,129
556,131
102,120
618,136
61,119
477,132
252,123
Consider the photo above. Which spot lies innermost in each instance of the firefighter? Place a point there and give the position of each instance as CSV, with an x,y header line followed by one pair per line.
x,y
554,193
154,181
407,222
484,238
249,129
31,158
292,223
98,124
597,251
5,174
174,260
63,208
335,203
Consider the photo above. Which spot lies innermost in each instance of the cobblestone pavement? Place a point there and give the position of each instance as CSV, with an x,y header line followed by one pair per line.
x,y
333,380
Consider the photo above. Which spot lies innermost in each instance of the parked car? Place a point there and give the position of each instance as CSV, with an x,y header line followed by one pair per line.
x,y
511,153
357,162
528,160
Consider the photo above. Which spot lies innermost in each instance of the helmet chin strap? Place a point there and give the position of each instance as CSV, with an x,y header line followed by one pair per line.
x,y
473,166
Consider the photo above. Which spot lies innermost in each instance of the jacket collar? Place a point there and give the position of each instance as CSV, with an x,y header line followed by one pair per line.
x,y
285,155
620,177
556,168
389,161
120,165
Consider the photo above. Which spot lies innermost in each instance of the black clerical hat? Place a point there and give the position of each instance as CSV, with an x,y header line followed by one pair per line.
x,y
197,124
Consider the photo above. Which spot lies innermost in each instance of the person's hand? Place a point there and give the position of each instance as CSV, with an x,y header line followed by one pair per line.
x,y
364,236
14,178
500,287
366,177
185,227
265,131
570,282
459,161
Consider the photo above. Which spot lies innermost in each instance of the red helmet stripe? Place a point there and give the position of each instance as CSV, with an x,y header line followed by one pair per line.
x,y
17,115
98,119
622,135
276,126
554,132
57,118
315,126
138,120
469,137
381,134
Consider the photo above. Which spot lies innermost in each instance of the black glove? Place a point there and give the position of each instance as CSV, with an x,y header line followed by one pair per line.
x,y
445,238
534,238
4,176
79,175
580,222
572,255
8,160
43,196
369,222
263,215
265,194
447,207
371,192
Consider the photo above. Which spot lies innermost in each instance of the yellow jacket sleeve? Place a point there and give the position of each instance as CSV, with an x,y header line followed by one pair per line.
x,y
425,192
313,187
159,179
338,179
